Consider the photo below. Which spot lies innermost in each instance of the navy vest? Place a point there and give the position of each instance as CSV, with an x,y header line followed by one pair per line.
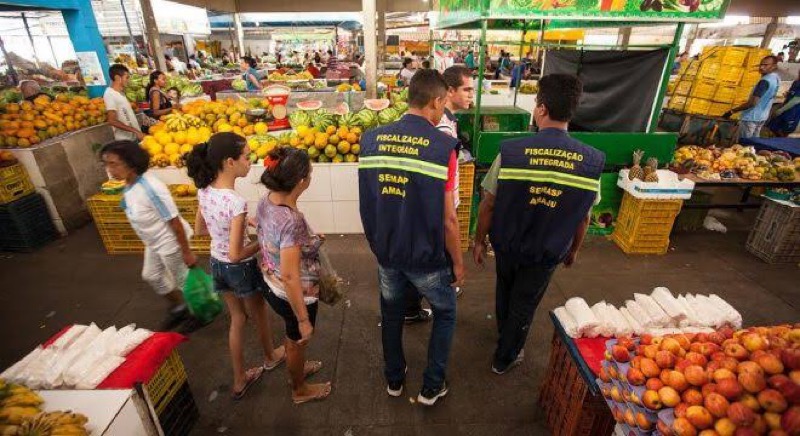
x,y
402,174
548,183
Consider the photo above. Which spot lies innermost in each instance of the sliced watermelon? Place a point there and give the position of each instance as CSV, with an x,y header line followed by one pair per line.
x,y
377,104
309,105
342,109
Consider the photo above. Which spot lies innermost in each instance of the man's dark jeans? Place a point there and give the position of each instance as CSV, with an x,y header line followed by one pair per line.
x,y
519,290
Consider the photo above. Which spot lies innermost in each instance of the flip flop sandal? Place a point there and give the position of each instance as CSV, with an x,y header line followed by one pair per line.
x,y
253,374
275,364
321,395
312,367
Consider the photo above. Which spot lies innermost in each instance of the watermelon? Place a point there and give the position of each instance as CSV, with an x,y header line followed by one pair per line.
x,y
367,118
347,120
342,109
309,105
387,116
239,85
322,119
299,118
377,104
401,107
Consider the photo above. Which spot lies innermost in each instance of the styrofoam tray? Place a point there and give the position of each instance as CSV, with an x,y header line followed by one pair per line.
x,y
668,187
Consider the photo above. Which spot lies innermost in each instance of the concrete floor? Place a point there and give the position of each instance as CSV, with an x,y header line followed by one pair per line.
x,y
74,281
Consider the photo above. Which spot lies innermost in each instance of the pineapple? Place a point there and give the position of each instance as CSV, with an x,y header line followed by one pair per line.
x,y
650,170
636,169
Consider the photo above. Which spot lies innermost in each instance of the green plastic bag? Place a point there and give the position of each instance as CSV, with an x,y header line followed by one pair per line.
x,y
198,292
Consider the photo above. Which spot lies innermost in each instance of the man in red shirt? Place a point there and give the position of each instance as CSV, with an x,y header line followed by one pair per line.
x,y
313,70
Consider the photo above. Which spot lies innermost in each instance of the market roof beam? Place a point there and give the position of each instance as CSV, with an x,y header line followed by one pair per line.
x,y
321,6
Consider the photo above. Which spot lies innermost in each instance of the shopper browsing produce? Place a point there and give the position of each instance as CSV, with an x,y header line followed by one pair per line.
x,y
214,166
535,208
291,264
154,217
120,113
406,191
250,75
460,93
756,110
160,103
408,71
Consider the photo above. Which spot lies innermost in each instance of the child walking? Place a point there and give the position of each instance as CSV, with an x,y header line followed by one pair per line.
x,y
214,167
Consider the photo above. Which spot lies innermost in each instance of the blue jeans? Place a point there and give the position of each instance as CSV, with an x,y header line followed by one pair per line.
x,y
435,287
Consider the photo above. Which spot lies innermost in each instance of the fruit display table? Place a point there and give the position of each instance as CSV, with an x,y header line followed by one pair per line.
x,y
66,171
329,99
114,412
746,186
330,204
789,145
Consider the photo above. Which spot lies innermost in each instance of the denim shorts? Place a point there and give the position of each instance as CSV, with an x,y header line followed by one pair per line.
x,y
243,279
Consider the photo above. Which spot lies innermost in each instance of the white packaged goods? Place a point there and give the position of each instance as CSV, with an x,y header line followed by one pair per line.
x,y
99,372
123,347
13,372
716,317
734,318
566,321
635,326
622,327
667,301
69,336
691,316
602,328
86,337
37,371
654,311
640,315
582,314
667,187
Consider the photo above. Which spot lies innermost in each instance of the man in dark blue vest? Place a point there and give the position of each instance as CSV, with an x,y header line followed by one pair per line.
x,y
537,198
406,180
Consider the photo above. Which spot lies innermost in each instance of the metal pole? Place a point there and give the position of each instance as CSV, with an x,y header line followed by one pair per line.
x,y
521,47
151,35
52,50
130,32
476,128
770,32
662,88
369,8
30,37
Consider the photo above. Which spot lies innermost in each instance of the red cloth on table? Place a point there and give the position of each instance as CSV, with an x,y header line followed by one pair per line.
x,y
212,87
140,364
592,350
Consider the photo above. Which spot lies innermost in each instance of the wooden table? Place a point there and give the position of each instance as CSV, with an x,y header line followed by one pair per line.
x,y
745,185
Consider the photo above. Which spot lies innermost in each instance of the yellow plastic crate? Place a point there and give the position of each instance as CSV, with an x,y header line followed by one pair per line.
x,y
692,69
718,109
755,55
734,56
677,102
725,94
703,89
742,95
167,381
750,78
683,87
643,226
730,75
466,181
698,106
14,183
463,213
709,70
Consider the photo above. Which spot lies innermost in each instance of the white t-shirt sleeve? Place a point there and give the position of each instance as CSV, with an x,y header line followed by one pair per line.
x,y
162,199
110,101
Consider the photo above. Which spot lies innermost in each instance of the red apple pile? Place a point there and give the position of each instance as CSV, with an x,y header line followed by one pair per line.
x,y
723,383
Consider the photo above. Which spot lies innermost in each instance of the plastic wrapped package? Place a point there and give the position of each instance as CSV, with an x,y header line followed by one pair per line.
x,y
716,317
703,315
36,373
88,335
65,340
566,321
602,328
654,311
81,368
621,325
632,322
639,314
582,314
733,316
13,372
123,347
667,301
691,317
100,371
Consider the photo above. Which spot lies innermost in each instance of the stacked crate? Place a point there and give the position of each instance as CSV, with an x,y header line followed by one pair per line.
x,y
25,222
466,182
722,78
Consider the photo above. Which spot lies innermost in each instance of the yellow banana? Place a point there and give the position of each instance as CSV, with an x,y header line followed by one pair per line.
x,y
29,399
68,430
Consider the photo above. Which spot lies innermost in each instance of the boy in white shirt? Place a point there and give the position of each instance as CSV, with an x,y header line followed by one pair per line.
x,y
120,113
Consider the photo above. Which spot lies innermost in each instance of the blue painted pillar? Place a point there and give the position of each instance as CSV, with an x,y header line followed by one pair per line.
x,y
85,36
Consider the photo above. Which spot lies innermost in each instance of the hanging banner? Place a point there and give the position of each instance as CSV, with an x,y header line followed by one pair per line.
x,y
91,69
455,12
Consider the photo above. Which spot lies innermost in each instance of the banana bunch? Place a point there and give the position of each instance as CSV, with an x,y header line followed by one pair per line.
x,y
180,122
49,424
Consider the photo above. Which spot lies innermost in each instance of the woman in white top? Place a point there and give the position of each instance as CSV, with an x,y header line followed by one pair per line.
x,y
154,217
408,71
214,167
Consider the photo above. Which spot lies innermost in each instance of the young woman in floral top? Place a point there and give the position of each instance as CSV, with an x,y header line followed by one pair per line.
x,y
214,167
291,264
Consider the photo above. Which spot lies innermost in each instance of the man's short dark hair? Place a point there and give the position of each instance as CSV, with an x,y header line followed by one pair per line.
x,y
425,86
560,94
454,76
773,58
134,156
117,70
407,62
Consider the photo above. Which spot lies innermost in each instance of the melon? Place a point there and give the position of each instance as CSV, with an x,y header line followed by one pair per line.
x,y
367,118
401,106
239,85
377,104
387,116
299,118
342,109
347,120
309,105
322,119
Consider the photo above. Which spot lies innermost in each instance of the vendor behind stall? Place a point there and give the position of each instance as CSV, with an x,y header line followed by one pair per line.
x,y
756,110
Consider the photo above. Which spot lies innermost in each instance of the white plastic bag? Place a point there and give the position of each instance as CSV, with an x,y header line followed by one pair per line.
x,y
81,368
654,311
692,319
667,302
582,314
632,322
621,325
733,317
88,335
15,371
36,373
716,317
639,314
566,321
130,342
99,372
604,326
65,340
